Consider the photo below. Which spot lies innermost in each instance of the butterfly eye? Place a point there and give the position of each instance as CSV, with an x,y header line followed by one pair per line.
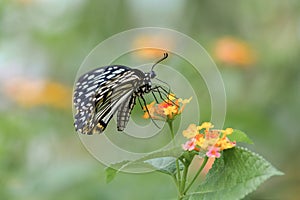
x,y
152,74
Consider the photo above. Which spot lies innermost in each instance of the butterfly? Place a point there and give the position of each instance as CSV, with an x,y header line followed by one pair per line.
x,y
104,91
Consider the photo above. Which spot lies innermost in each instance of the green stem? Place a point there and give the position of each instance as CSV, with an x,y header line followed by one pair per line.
x,y
176,162
196,175
171,128
184,175
178,174
176,182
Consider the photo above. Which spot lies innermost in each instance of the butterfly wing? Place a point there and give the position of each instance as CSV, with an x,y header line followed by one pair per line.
x,y
107,106
98,95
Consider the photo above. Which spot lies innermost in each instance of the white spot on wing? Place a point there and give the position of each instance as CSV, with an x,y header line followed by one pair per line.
x,y
91,76
118,71
92,88
110,76
89,94
85,76
99,70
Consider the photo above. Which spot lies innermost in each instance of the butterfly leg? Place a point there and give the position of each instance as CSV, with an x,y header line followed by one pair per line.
x,y
160,90
145,105
140,103
154,97
169,87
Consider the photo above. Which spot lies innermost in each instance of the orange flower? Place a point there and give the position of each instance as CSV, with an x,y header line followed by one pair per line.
x,y
167,109
145,44
234,52
200,139
151,110
29,93
207,140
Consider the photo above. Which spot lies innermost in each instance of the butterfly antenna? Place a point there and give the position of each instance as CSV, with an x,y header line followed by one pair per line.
x,y
165,56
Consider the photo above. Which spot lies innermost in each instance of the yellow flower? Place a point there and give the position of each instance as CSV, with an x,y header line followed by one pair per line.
x,y
199,139
167,109
171,97
210,139
151,110
225,143
206,126
191,131
170,111
227,131
184,101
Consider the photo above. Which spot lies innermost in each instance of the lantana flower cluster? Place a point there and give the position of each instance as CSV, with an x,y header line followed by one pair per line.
x,y
207,140
166,110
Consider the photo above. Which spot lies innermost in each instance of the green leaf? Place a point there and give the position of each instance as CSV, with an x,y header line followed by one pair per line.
x,y
115,168
239,136
234,175
166,165
110,174
173,152
163,161
112,171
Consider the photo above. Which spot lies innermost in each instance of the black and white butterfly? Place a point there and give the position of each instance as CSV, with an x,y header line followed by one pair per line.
x,y
102,92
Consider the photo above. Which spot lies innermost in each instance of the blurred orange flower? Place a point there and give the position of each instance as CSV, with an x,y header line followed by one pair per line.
x,y
29,93
234,52
145,43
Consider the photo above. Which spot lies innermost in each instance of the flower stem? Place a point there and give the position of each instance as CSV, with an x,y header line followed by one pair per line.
x,y
171,128
184,175
176,162
176,182
197,174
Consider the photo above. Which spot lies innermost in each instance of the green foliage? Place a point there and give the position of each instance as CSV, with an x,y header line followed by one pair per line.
x,y
112,171
162,161
166,165
239,136
234,175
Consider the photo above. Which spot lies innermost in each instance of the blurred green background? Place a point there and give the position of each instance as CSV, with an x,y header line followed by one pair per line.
x,y
256,45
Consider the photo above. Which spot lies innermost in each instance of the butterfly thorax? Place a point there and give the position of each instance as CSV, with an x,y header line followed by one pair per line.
x,y
145,84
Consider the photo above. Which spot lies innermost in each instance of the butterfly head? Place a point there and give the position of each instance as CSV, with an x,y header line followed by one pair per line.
x,y
152,74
